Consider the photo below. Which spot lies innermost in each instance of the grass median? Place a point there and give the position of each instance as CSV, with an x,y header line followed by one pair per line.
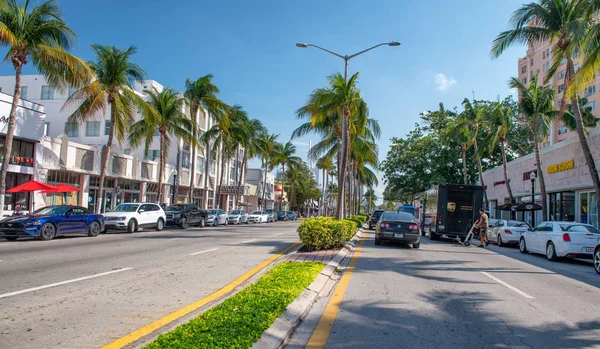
x,y
240,321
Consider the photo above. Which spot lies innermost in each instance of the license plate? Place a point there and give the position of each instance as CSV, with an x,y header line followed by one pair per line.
x,y
589,249
397,235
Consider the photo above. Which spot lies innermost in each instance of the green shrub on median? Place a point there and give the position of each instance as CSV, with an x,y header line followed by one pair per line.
x,y
361,217
358,221
240,321
323,233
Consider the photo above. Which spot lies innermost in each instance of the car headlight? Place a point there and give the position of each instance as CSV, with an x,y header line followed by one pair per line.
x,y
177,215
121,218
36,222
211,217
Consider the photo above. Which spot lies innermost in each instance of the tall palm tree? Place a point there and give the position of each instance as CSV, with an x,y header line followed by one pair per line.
x,y
38,34
201,95
112,87
536,106
284,155
170,122
458,131
474,116
500,121
247,134
567,24
267,147
324,164
371,199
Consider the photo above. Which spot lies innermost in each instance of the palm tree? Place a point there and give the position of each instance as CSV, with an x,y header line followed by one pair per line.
x,y
500,121
370,198
324,164
267,146
458,131
39,34
473,116
536,105
114,75
171,122
570,26
201,95
587,116
248,135
284,155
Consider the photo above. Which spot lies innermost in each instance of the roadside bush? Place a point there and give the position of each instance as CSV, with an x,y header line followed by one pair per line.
x,y
323,233
360,217
358,221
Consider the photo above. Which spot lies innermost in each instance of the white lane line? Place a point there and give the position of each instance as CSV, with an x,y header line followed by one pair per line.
x,y
278,234
5,295
248,241
508,286
201,252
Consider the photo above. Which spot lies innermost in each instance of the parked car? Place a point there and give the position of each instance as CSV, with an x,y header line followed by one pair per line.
x,y
259,217
560,239
282,215
398,227
238,216
597,257
183,215
52,221
272,214
504,232
217,217
292,216
132,216
375,218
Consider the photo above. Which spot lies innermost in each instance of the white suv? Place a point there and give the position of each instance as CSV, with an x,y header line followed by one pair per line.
x,y
133,216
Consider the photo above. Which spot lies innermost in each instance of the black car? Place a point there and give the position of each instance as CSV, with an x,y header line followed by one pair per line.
x,y
282,216
375,218
398,227
183,215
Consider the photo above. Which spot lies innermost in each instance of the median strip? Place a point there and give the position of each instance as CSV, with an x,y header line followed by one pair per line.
x,y
5,295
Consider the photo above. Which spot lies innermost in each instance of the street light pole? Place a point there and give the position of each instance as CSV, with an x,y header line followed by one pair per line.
x,y
342,169
532,176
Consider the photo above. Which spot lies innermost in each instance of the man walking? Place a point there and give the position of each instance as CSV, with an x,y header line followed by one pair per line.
x,y
483,226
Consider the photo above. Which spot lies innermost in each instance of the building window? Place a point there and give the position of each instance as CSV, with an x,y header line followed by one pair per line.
x,y
560,103
47,92
71,129
92,129
106,127
524,81
200,164
564,60
524,69
562,130
46,129
531,62
544,54
127,151
591,105
153,154
232,173
156,133
185,160
24,92
590,91
561,88
562,74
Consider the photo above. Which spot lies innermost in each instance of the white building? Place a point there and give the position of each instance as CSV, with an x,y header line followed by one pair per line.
x,y
256,177
121,184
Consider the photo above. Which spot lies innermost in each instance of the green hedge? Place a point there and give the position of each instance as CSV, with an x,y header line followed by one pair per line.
x,y
323,233
362,217
359,222
240,321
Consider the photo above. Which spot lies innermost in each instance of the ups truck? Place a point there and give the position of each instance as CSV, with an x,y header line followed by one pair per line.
x,y
452,209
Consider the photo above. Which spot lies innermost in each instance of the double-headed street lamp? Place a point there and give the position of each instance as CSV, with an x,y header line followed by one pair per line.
x,y
346,58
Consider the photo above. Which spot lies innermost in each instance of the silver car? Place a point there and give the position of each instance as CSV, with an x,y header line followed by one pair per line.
x,y
217,217
505,232
238,216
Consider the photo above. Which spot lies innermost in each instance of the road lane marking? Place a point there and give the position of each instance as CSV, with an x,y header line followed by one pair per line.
x,y
201,252
146,330
248,241
278,234
5,295
323,329
508,286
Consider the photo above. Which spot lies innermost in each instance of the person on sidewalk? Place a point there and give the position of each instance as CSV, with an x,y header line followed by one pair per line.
x,y
483,226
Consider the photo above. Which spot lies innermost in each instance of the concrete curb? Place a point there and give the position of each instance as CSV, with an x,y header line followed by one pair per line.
x,y
282,329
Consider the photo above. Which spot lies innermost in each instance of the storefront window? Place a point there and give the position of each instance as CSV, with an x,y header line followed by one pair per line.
x,y
588,212
11,200
210,199
562,206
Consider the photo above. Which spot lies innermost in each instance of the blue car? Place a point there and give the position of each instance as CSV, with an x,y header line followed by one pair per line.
x,y
292,216
52,221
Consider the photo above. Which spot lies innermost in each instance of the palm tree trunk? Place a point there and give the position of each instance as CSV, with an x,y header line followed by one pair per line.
x,y
221,177
240,180
481,173
193,155
12,120
464,163
264,191
540,175
323,195
282,178
343,165
105,157
161,169
504,162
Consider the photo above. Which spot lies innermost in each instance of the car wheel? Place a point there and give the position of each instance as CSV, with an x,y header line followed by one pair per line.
x,y
597,260
132,226
226,221
215,223
202,223
377,241
500,243
11,238
417,245
370,227
48,231
94,229
523,246
551,252
183,224
160,224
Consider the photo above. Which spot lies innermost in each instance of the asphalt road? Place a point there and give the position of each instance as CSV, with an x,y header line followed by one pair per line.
x,y
83,292
446,295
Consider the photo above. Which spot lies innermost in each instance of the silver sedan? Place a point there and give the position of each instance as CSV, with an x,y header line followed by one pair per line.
x,y
238,216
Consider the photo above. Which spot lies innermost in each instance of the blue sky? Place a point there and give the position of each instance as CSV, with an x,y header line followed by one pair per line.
x,y
249,46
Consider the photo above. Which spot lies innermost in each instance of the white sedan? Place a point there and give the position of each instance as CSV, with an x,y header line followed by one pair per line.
x,y
597,257
258,217
560,239
505,232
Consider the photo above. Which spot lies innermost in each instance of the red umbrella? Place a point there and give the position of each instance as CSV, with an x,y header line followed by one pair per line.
x,y
61,188
30,186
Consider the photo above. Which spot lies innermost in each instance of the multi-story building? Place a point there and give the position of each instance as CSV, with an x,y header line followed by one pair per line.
x,y
120,186
256,177
538,59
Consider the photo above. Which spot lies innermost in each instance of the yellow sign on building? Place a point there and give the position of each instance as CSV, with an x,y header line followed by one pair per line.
x,y
563,166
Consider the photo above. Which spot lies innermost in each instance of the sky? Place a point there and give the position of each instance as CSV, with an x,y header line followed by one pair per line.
x,y
249,47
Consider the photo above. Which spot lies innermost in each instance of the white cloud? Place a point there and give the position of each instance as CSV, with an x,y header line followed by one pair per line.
x,y
443,82
300,144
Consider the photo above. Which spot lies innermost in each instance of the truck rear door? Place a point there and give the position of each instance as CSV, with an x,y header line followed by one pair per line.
x,y
459,210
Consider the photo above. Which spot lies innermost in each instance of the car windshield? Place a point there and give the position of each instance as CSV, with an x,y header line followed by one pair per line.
x,y
213,212
126,208
517,224
281,212
235,212
175,208
578,228
257,212
52,210
377,213
400,216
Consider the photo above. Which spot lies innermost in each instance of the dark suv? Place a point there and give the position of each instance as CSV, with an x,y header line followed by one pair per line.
x,y
372,220
183,215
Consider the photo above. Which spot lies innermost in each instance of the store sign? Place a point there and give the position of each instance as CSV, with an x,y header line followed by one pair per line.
x,y
527,175
499,183
563,166
233,189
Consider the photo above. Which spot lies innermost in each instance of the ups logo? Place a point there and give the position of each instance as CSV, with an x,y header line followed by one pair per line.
x,y
451,207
